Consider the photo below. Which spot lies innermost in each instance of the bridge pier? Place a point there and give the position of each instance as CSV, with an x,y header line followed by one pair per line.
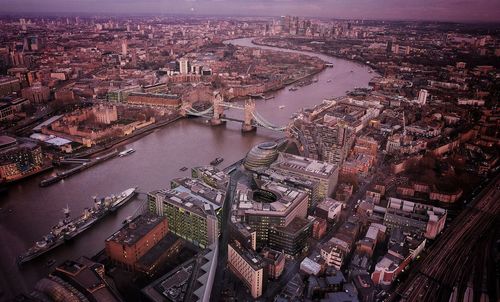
x,y
185,108
248,128
217,122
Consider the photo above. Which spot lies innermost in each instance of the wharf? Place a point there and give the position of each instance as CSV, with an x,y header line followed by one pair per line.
x,y
62,175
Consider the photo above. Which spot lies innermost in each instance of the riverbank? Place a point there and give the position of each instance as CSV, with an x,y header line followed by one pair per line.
x,y
297,48
126,139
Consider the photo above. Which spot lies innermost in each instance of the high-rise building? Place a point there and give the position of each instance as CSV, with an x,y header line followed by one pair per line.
x,y
192,209
324,173
291,239
422,96
272,205
184,66
311,187
248,266
124,48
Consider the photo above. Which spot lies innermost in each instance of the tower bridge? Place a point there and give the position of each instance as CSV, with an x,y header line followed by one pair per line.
x,y
251,118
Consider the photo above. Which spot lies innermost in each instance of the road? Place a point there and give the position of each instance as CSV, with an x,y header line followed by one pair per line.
x,y
456,259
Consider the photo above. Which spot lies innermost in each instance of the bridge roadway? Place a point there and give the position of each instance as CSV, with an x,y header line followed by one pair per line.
x,y
452,257
257,119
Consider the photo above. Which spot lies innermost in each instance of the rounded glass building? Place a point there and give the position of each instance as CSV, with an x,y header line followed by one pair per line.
x,y
262,155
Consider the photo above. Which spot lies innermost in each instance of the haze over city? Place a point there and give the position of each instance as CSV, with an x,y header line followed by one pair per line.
x,y
437,10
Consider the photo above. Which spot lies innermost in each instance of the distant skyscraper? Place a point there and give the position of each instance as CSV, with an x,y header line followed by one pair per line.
x,y
422,96
23,24
124,48
183,66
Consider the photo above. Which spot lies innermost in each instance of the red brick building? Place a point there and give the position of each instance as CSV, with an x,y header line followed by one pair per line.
x,y
129,244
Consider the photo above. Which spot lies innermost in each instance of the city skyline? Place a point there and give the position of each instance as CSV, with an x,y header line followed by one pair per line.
x,y
426,10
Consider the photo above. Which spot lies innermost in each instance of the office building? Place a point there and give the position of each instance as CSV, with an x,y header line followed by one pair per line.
x,y
319,228
324,173
248,266
311,187
365,287
401,251
272,205
211,176
292,238
184,66
36,93
124,48
6,112
329,209
275,262
261,156
415,217
129,244
334,251
422,96
192,209
199,271
8,85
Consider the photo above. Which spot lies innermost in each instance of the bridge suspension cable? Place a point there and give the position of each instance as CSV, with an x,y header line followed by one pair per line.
x,y
193,111
259,119
264,123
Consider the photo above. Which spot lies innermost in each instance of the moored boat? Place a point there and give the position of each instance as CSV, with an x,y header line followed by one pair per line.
x,y
216,161
67,228
126,152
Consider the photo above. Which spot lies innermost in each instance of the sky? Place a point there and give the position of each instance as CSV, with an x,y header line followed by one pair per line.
x,y
440,10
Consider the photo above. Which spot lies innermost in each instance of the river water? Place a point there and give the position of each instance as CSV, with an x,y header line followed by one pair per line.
x,y
28,211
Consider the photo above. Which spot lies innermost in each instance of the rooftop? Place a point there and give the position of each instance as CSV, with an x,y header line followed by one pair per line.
x,y
271,199
86,274
199,188
6,141
304,165
250,256
136,229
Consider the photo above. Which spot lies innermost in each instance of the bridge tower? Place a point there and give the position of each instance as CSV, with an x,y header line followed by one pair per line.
x,y
185,107
248,122
218,110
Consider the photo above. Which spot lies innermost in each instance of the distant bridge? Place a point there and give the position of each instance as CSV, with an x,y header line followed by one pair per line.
x,y
252,119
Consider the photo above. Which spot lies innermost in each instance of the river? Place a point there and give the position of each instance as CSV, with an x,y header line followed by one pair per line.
x,y
28,211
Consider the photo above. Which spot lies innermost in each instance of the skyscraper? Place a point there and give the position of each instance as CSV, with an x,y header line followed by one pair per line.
x,y
422,96
124,48
184,66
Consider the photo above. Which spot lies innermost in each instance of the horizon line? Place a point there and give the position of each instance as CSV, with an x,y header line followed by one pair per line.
x,y
150,14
